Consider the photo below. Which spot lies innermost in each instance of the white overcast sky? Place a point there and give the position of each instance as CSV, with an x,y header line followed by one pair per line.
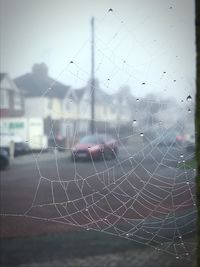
x,y
135,44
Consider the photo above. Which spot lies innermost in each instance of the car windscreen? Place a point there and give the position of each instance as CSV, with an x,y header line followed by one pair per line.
x,y
90,140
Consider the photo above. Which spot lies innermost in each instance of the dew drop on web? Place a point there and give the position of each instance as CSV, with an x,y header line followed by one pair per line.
x,y
189,98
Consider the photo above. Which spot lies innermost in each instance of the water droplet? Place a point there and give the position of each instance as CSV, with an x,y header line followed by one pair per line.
x,y
71,62
110,10
164,72
134,121
86,209
189,110
180,237
181,156
189,98
108,79
186,253
127,234
137,99
143,83
141,134
88,229
174,80
187,183
177,257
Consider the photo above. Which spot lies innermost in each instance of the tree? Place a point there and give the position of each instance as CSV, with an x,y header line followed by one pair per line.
x,y
197,126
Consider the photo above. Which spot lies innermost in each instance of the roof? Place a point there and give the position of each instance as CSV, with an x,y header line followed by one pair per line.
x,y
36,85
101,96
2,75
79,93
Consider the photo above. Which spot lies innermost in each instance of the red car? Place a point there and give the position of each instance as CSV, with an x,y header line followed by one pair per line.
x,y
97,146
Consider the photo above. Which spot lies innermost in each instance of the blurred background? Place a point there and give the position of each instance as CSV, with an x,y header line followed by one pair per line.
x,y
97,134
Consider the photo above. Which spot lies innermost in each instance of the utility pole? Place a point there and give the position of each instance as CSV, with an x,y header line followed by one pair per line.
x,y
92,80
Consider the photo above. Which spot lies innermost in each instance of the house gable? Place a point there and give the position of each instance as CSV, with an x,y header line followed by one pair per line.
x,y
7,83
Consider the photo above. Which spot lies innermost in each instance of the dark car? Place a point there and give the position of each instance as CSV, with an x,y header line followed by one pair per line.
x,y
21,148
4,159
97,146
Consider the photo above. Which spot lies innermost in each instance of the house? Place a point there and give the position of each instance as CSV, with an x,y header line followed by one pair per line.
x,y
11,98
46,98
107,108
65,111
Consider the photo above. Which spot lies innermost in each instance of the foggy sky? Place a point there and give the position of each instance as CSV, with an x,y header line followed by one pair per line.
x,y
136,43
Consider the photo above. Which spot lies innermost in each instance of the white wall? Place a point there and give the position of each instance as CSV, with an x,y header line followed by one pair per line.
x,y
36,107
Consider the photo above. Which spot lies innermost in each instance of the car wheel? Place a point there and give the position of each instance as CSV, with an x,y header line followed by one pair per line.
x,y
108,154
3,164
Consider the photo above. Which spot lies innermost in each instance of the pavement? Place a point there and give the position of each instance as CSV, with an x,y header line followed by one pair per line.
x,y
157,197
132,258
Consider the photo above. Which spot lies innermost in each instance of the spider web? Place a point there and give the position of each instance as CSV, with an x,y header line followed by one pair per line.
x,y
146,194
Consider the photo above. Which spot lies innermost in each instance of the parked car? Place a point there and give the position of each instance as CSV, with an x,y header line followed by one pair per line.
x,y
169,137
4,159
21,147
190,142
96,146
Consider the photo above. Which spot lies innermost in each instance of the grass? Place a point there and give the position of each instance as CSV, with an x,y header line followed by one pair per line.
x,y
190,164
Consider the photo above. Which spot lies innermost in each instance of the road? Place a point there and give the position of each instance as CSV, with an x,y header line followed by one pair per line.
x,y
142,187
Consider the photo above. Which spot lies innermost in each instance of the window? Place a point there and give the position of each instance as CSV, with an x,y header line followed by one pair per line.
x,y
4,99
50,103
17,101
68,104
105,109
